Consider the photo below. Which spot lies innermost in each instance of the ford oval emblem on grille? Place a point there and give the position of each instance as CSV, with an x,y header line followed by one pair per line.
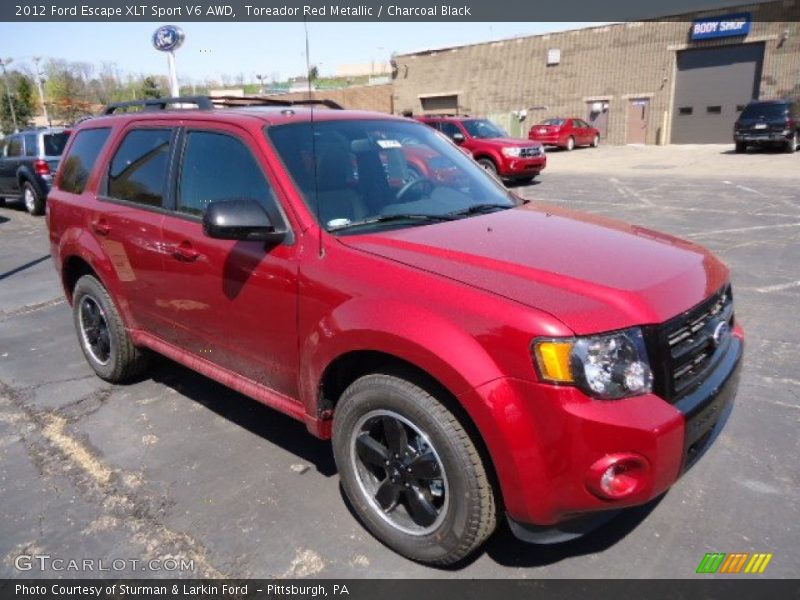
x,y
721,331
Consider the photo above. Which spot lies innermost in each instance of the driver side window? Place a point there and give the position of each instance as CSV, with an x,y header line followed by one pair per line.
x,y
217,166
450,129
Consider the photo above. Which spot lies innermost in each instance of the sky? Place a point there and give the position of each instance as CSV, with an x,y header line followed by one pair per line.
x,y
212,49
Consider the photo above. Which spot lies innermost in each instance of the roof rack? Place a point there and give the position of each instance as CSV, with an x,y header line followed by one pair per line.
x,y
234,101
210,102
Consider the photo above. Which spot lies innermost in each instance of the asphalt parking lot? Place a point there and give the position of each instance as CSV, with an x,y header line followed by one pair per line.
x,y
178,466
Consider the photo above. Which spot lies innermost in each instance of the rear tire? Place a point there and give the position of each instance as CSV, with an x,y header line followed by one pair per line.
x,y
102,335
32,200
791,145
570,144
741,147
410,471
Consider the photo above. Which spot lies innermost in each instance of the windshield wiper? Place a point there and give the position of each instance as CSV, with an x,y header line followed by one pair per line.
x,y
396,217
479,208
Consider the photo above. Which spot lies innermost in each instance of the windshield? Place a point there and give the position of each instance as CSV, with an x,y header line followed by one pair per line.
x,y
54,143
556,122
371,172
484,129
765,110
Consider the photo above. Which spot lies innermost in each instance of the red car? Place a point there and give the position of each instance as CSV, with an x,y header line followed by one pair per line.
x,y
491,147
565,133
472,356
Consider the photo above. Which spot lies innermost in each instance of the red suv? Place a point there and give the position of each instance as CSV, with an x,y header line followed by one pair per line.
x,y
473,356
493,148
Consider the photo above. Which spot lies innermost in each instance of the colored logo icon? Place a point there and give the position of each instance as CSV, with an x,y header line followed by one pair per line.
x,y
168,38
741,562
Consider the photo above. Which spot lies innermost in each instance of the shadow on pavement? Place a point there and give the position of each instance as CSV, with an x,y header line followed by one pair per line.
x,y
27,265
273,426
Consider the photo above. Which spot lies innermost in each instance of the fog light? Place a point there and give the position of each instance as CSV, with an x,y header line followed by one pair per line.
x,y
617,476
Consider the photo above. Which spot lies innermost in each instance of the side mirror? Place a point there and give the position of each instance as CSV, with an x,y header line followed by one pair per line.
x,y
241,219
458,138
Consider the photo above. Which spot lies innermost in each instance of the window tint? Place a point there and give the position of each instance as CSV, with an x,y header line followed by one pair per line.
x,y
219,167
14,146
764,110
31,147
450,129
138,171
80,161
54,143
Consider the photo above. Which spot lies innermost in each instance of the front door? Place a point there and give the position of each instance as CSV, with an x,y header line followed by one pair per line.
x,y
233,303
637,121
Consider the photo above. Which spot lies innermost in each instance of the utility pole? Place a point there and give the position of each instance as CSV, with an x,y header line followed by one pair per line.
x,y
3,64
36,60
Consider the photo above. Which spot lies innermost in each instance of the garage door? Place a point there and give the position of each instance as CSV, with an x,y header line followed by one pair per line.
x,y
712,87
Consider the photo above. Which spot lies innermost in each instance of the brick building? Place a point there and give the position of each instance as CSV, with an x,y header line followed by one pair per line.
x,y
681,79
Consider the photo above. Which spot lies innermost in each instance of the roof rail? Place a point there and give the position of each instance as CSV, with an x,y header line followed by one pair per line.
x,y
202,102
209,103
234,101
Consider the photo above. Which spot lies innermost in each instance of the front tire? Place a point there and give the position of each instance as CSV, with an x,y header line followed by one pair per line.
x,y
411,471
595,141
32,200
570,144
102,335
488,164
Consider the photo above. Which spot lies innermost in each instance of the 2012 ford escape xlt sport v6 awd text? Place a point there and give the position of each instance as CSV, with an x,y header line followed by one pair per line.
x,y
472,356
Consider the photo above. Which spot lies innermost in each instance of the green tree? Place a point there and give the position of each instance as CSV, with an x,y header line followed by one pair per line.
x,y
67,90
151,89
21,88
313,73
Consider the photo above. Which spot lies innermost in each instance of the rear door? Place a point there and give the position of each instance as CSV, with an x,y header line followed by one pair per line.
x,y
233,303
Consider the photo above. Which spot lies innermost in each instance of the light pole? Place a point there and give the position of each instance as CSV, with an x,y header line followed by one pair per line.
x,y
36,60
3,64
168,38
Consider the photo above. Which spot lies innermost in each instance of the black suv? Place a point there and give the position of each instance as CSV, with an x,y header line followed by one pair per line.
x,y
768,123
28,162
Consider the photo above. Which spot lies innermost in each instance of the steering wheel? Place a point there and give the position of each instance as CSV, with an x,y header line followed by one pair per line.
x,y
413,183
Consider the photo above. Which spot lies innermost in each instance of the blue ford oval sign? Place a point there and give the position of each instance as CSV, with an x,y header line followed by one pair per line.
x,y
168,38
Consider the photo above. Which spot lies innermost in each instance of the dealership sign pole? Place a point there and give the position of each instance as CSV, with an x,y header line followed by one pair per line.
x,y
169,38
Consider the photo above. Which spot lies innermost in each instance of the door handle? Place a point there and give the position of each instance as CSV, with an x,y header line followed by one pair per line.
x,y
101,227
185,252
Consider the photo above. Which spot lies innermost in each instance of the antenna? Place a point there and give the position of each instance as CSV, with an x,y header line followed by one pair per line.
x,y
313,144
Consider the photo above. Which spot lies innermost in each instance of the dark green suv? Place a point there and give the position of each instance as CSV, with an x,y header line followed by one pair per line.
x,y
768,123
28,162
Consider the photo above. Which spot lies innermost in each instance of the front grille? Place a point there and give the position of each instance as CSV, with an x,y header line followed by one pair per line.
x,y
688,344
530,152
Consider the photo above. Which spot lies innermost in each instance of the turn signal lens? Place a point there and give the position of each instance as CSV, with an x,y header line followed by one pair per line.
x,y
553,358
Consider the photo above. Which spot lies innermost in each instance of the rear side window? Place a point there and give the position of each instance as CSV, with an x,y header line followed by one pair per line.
x,y
219,167
31,147
138,171
54,143
450,129
14,146
78,164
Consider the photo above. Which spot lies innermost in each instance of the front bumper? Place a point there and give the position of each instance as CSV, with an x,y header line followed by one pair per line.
x,y
523,167
543,439
762,136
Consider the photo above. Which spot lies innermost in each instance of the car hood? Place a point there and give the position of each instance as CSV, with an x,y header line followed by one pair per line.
x,y
506,142
591,273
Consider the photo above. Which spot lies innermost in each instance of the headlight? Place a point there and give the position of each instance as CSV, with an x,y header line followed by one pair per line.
x,y
509,151
608,366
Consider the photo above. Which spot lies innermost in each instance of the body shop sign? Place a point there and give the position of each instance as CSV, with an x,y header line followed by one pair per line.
x,y
724,26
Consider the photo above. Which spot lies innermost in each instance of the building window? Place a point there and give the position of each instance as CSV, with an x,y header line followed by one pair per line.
x,y
685,110
553,56
714,110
